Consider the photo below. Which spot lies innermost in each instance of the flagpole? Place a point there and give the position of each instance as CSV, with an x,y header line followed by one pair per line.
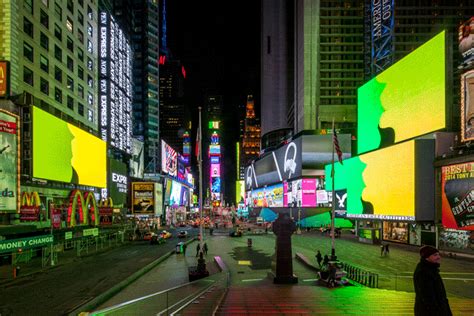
x,y
200,180
333,249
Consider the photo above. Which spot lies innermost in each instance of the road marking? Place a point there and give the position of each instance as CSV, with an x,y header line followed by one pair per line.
x,y
251,280
244,262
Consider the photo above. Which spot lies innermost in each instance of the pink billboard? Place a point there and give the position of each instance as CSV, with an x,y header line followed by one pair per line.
x,y
215,170
308,196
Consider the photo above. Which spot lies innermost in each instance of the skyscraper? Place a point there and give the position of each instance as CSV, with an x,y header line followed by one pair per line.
x,y
251,137
140,19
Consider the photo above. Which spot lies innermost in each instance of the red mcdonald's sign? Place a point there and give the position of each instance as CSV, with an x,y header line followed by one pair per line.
x,y
3,79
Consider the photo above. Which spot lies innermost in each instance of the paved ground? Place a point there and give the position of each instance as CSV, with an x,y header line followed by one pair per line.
x,y
249,266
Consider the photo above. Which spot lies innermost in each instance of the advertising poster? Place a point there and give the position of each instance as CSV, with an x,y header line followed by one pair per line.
x,y
168,185
142,197
158,199
175,197
9,160
274,195
457,196
466,41
391,105
340,209
181,168
63,152
118,182
467,106
184,199
308,193
215,170
395,231
137,161
169,159
216,185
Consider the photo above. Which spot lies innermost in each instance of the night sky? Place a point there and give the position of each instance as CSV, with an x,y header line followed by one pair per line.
x,y
218,42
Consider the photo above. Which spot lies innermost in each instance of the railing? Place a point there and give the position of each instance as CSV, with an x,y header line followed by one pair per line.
x,y
175,300
361,276
403,281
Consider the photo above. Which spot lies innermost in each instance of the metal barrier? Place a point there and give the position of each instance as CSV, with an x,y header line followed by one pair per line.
x,y
361,276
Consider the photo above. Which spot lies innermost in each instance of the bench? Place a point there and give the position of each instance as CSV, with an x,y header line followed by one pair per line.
x,y
306,261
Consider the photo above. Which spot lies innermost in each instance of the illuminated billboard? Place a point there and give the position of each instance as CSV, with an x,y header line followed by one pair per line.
x,y
63,152
215,170
143,197
382,184
406,100
175,196
115,84
214,150
169,159
118,182
9,162
466,41
137,161
216,185
457,196
467,106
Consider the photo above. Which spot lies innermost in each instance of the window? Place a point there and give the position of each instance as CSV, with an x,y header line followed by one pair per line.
x,y
90,65
58,12
70,63
90,81
80,91
89,30
80,18
44,19
89,13
80,54
28,51
70,5
58,95
90,115
80,109
58,74
58,33
69,24
44,63
27,27
44,41
89,46
70,44
28,76
58,53
70,102
80,72
28,5
70,83
44,86
90,99
45,3
80,36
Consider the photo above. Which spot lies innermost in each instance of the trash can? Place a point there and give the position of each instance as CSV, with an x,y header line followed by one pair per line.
x,y
179,247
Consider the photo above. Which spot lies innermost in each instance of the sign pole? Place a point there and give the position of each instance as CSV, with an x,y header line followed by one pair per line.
x,y
333,248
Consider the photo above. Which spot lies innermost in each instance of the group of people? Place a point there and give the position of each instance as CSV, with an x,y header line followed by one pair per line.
x,y
204,249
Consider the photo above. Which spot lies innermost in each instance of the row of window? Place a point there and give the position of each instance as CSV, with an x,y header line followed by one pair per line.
x,y
28,77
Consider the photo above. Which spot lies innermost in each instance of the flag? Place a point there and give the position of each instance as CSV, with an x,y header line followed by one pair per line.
x,y
336,145
198,142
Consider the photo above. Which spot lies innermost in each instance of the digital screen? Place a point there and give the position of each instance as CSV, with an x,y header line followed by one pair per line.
x,y
467,106
168,185
181,168
63,152
215,170
215,149
175,197
143,197
457,196
9,162
169,159
215,159
158,199
380,183
216,185
184,199
413,90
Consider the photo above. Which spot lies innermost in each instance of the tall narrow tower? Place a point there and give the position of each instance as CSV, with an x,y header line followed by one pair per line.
x,y
251,137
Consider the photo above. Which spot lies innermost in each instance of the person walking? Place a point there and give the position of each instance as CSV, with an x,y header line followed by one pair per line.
x,y
382,249
198,248
387,251
430,294
325,260
319,258
205,248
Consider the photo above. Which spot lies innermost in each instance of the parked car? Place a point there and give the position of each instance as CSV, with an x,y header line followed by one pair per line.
x,y
157,240
182,234
165,234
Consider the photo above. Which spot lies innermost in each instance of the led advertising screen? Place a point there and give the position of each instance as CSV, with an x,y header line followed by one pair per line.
x,y
184,199
175,196
63,152
215,159
457,196
118,182
214,150
169,159
379,184
466,41
216,185
158,199
271,196
4,78
137,161
181,168
215,170
406,100
168,185
9,162
467,106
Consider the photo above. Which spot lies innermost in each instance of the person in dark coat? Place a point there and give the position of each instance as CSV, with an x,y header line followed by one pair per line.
x,y
319,258
325,260
430,298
